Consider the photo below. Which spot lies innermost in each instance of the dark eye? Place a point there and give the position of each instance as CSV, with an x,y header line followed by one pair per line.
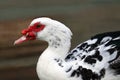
x,y
38,26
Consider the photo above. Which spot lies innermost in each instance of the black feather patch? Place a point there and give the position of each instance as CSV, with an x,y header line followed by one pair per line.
x,y
88,74
91,59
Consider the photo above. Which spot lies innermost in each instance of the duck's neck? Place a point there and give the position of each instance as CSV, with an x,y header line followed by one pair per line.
x,y
57,48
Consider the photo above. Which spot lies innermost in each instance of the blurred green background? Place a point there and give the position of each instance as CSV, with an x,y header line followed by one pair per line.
x,y
84,17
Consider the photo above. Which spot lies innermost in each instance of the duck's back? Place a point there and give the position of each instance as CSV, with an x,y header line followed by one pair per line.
x,y
97,58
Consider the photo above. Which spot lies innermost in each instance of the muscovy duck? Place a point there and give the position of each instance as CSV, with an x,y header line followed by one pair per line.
x,y
95,59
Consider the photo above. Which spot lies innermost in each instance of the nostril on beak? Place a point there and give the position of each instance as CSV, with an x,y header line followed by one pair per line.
x,y
31,35
24,32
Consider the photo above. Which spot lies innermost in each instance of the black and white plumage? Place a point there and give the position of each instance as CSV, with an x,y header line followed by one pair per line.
x,y
95,59
101,52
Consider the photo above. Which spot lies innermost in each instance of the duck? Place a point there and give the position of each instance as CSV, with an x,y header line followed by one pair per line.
x,y
97,58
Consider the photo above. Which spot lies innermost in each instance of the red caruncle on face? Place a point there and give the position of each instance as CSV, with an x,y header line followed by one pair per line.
x,y
30,32
36,27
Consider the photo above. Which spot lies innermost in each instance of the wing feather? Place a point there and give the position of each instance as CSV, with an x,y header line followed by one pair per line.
x,y
96,54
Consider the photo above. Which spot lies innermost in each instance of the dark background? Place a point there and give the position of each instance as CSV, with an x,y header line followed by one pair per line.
x,y
84,17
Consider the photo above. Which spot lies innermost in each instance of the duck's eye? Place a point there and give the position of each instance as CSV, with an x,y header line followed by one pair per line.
x,y
38,26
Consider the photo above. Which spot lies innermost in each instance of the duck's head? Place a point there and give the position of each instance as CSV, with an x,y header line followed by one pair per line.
x,y
44,29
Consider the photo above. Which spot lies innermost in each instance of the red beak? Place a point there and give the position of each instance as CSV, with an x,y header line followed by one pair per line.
x,y
27,35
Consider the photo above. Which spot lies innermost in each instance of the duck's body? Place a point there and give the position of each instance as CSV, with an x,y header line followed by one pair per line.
x,y
95,59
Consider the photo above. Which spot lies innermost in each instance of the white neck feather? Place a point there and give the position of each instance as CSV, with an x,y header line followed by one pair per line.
x,y
57,49
58,45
